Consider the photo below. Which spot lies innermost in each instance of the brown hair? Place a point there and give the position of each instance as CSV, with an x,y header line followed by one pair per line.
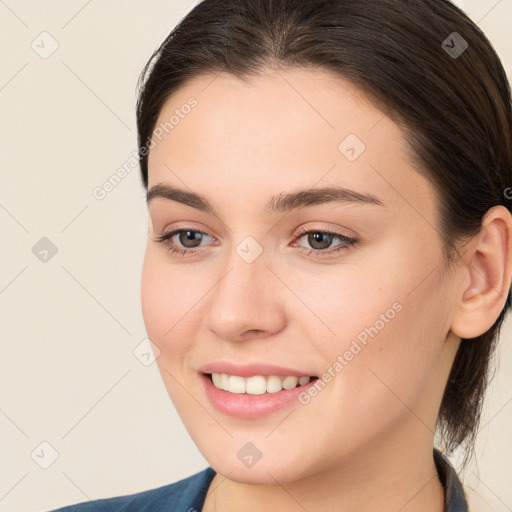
x,y
455,109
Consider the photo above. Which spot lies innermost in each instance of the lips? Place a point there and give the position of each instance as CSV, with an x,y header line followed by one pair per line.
x,y
252,407
253,391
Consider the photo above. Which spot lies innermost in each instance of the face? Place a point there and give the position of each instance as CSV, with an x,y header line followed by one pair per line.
x,y
347,287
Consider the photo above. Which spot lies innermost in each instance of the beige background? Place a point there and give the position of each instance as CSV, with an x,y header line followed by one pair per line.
x,y
70,325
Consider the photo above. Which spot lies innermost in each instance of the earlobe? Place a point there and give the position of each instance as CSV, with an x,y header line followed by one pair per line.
x,y
489,266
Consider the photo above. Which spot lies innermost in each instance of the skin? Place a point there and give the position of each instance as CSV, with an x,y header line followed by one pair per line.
x,y
365,441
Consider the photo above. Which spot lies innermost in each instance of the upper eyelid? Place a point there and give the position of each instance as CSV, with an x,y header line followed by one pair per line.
x,y
301,232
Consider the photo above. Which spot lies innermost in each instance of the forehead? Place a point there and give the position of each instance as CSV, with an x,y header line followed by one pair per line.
x,y
282,130
279,113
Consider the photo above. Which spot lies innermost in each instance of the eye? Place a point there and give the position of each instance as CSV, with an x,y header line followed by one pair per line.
x,y
190,238
321,242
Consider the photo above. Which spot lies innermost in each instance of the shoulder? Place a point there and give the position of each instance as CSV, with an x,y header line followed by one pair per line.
x,y
186,495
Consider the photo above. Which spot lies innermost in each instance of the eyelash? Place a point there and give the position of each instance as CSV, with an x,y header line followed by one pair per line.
x,y
347,242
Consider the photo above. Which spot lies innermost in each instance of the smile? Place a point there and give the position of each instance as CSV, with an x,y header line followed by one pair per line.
x,y
257,384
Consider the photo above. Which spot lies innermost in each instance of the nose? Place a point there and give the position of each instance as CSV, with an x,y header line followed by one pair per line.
x,y
247,300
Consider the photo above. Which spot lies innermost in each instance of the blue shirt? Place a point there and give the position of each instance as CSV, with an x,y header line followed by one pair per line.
x,y
188,495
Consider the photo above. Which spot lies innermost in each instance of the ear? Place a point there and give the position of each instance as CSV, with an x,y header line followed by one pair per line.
x,y
487,267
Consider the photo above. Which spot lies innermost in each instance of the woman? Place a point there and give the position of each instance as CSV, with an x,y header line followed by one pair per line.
x,y
328,262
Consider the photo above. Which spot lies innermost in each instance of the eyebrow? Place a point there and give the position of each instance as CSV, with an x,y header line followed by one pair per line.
x,y
277,204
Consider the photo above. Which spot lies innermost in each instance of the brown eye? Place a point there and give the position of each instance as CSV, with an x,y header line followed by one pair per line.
x,y
189,238
320,242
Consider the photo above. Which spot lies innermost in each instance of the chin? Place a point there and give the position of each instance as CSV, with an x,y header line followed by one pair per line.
x,y
259,474
273,466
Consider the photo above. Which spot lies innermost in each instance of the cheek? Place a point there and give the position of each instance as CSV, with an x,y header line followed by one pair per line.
x,y
167,299
379,325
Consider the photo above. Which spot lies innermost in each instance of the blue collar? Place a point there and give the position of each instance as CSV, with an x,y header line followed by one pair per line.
x,y
454,498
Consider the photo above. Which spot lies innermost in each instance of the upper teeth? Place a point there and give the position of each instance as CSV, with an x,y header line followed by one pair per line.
x,y
256,385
